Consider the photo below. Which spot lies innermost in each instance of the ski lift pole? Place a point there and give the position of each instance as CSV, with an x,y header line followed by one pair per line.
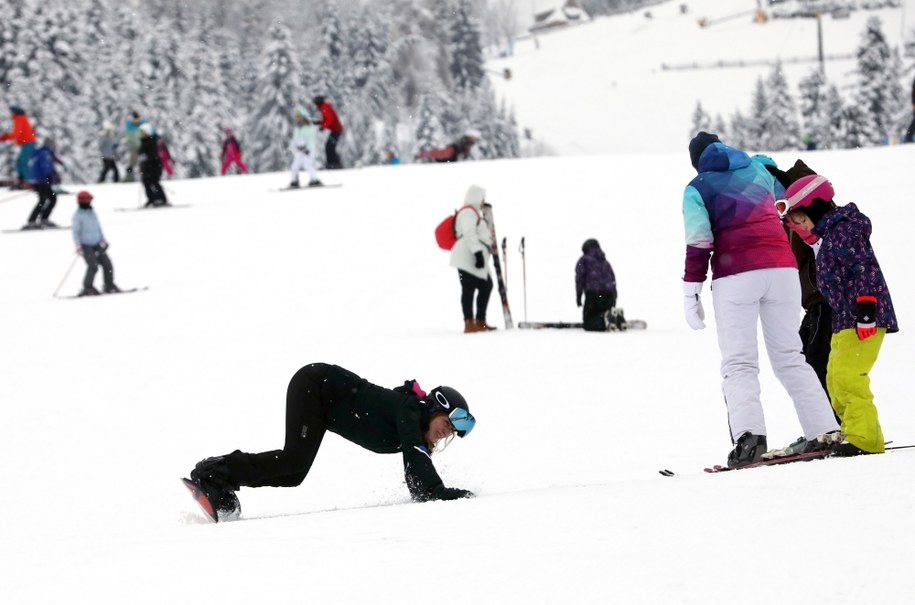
x,y
523,276
66,275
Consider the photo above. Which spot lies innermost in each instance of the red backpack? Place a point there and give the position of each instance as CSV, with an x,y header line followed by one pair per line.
x,y
444,233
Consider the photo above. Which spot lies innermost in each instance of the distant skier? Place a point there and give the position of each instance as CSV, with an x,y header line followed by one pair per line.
x,y
458,150
594,278
151,167
91,244
470,256
108,148
24,136
730,220
133,138
330,122
322,398
304,149
231,153
43,177
910,131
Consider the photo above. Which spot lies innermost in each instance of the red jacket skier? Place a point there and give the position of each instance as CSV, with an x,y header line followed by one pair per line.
x,y
330,121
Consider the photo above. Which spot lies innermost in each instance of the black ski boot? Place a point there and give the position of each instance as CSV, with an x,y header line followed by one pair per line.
x,y
749,449
211,476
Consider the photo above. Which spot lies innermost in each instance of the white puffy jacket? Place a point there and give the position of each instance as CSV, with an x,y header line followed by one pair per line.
x,y
472,236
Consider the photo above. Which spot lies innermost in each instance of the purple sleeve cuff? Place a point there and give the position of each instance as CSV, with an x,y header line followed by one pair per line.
x,y
697,260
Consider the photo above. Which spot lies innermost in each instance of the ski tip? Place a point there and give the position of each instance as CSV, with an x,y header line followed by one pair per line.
x,y
667,473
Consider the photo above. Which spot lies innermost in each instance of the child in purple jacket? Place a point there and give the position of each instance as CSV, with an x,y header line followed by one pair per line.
x,y
850,278
595,279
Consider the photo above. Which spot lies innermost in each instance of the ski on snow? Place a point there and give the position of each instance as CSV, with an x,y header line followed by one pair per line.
x,y
125,291
307,188
497,264
30,229
152,207
822,455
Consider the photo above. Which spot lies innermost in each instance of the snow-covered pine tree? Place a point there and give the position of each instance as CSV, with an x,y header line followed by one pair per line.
x,y
429,132
277,93
701,120
740,133
857,128
834,119
467,67
782,128
814,123
757,122
879,92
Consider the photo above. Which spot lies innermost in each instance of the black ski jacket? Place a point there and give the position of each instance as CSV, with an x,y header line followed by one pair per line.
x,y
384,421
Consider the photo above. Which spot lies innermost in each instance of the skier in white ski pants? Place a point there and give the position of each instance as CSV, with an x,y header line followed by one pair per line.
x,y
303,146
741,302
731,224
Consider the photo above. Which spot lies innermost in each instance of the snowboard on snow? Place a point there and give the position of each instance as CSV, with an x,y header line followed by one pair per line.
x,y
632,324
100,294
209,508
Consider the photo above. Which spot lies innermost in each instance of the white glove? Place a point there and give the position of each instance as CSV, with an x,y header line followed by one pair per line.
x,y
692,305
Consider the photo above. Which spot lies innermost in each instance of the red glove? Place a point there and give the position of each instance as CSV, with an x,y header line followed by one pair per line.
x,y
867,317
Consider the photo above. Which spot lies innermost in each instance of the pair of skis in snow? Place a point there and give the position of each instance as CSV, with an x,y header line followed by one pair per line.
x,y
821,455
124,291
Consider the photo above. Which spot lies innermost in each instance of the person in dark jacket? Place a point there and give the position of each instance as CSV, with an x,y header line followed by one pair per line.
x,y
594,278
853,284
108,149
910,131
151,166
330,122
42,178
323,397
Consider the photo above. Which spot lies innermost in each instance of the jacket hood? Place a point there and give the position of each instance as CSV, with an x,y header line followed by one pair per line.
x,y
848,212
719,157
596,253
475,196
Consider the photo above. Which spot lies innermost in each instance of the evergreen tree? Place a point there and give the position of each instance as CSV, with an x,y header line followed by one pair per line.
x,y
277,93
833,131
879,91
756,124
782,130
814,122
429,132
466,52
701,120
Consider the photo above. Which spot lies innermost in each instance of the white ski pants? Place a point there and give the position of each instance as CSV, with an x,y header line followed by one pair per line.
x,y
772,296
301,160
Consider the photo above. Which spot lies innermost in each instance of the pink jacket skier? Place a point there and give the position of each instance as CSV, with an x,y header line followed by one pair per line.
x,y
165,156
231,153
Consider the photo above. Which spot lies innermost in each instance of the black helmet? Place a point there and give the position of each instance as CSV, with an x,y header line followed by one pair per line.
x,y
318,100
448,400
590,244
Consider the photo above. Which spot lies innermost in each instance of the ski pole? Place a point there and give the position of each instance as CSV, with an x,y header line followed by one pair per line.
x,y
523,276
66,275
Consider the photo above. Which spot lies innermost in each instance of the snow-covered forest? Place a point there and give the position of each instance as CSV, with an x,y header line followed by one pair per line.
x,y
402,74
874,110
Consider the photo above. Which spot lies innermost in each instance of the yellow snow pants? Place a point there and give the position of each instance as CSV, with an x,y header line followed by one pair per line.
x,y
848,380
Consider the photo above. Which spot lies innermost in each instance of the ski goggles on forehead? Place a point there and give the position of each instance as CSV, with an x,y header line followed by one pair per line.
x,y
462,421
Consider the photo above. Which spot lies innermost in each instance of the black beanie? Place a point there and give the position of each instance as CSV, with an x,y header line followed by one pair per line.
x,y
698,145
590,244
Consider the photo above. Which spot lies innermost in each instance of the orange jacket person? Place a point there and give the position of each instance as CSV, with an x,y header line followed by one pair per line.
x,y
24,136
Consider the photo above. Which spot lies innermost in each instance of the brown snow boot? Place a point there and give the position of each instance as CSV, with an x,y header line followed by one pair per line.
x,y
470,325
482,326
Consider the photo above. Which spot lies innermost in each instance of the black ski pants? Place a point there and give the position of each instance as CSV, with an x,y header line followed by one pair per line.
x,y
470,285
306,422
330,151
594,310
155,194
109,165
47,199
95,256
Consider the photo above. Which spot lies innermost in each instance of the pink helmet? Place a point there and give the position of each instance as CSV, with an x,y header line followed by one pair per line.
x,y
804,191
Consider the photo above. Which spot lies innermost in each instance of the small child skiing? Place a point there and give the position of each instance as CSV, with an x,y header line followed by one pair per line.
x,y
231,153
850,278
303,147
91,244
43,177
595,279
